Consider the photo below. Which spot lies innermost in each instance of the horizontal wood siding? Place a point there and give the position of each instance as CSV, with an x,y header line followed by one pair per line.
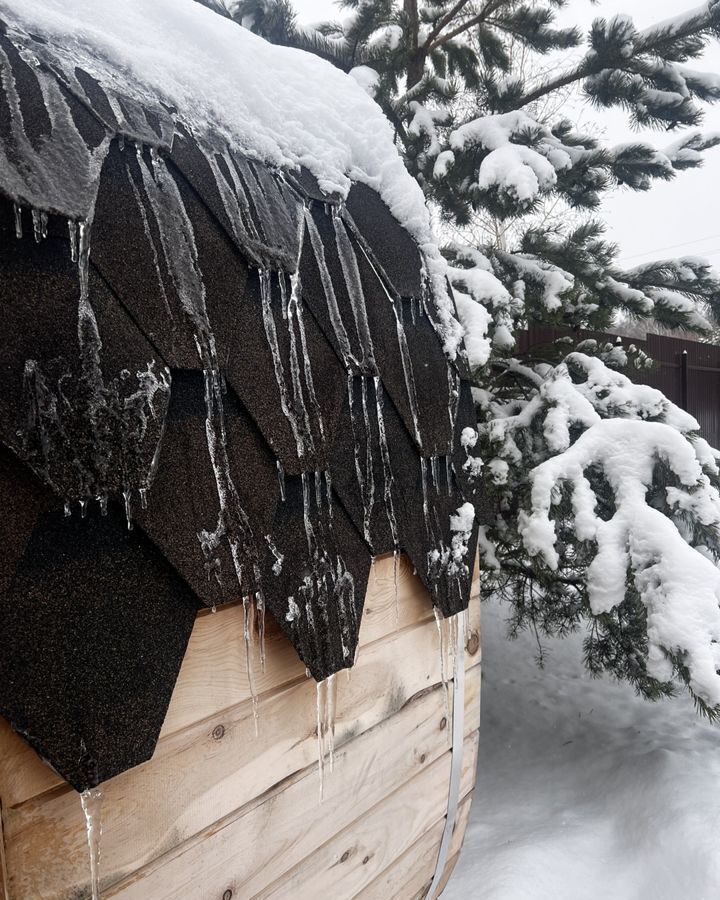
x,y
219,808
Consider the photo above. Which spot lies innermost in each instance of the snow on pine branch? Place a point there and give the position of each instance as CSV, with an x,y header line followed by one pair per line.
x,y
626,432
510,161
498,290
679,586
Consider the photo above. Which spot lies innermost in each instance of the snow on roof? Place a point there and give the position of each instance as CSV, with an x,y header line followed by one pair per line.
x,y
280,105
283,347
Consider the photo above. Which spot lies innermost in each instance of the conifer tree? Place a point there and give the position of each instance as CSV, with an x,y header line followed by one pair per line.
x,y
604,496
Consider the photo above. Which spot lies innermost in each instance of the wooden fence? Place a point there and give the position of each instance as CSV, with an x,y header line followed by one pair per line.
x,y
686,371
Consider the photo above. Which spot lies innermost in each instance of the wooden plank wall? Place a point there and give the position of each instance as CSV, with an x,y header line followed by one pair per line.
x,y
221,813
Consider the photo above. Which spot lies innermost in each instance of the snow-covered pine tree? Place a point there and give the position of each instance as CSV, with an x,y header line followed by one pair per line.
x,y
605,498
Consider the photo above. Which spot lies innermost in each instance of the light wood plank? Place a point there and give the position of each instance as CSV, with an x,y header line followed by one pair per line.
x,y
411,873
3,867
195,779
247,850
199,780
353,857
214,674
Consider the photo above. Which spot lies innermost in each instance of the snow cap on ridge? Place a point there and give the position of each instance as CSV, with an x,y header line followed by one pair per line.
x,y
280,105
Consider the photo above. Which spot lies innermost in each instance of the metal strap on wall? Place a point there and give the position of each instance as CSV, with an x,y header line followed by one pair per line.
x,y
458,728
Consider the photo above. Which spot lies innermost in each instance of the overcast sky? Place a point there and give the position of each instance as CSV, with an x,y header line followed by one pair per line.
x,y
672,219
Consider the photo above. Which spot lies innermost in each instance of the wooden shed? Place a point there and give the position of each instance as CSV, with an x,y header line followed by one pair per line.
x,y
238,479
219,813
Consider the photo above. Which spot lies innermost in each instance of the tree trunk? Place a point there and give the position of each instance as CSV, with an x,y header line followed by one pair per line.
x,y
416,62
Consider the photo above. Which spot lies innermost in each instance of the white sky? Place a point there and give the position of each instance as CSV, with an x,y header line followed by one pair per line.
x,y
676,218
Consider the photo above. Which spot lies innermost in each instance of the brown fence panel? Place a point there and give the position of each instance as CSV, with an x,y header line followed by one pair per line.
x,y
686,371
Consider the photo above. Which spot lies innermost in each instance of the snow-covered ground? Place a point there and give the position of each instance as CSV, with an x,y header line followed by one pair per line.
x,y
585,791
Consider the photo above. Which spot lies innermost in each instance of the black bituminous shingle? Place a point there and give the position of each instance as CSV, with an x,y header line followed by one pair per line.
x,y
393,247
95,625
265,383
303,422
321,567
179,508
22,501
133,263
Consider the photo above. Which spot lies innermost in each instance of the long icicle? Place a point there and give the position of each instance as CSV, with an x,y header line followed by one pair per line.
x,y
247,632
91,802
349,359
301,435
330,713
369,499
442,634
177,238
320,708
348,262
358,463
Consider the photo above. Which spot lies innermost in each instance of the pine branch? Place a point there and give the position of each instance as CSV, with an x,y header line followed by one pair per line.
x,y
465,26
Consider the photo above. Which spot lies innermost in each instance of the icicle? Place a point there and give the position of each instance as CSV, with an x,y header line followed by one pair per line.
x,y
151,243
91,802
328,494
84,257
435,473
72,233
330,718
332,304
37,225
260,613
67,509
295,308
143,497
396,563
247,636
448,474
318,490
442,634
18,221
281,480
284,298
413,317
279,557
423,476
326,705
234,199
387,470
348,262
358,464
369,500
128,512
299,407
303,438
320,707
83,507
454,401
408,372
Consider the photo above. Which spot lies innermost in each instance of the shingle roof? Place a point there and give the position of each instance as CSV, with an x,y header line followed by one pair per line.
x,y
292,414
